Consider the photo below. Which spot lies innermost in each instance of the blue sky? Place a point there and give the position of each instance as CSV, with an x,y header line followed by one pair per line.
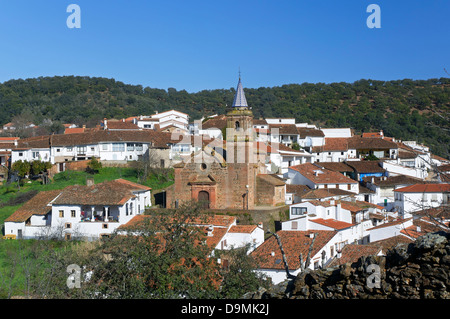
x,y
196,45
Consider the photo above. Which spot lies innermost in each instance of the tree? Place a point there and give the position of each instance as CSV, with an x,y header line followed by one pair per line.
x,y
161,256
93,166
238,271
21,167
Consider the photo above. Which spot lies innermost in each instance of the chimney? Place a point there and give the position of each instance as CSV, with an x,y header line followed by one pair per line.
x,y
210,230
338,254
311,235
272,254
84,125
105,122
418,229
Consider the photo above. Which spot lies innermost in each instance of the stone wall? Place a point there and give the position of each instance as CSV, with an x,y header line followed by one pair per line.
x,y
420,270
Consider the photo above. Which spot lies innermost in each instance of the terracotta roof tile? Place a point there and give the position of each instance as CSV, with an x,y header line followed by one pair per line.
x,y
242,229
115,192
361,143
268,254
318,175
425,188
38,205
332,223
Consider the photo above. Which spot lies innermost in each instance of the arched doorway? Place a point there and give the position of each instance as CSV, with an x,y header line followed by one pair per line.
x,y
203,198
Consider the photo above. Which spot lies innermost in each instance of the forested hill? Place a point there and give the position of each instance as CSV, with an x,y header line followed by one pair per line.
x,y
406,109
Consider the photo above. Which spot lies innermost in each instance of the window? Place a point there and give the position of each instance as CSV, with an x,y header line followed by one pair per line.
x,y
68,236
105,226
68,225
20,154
73,214
92,149
81,149
298,210
294,225
118,147
58,150
130,147
349,187
69,149
104,147
61,213
139,147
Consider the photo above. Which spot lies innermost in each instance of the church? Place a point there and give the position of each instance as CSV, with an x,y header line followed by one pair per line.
x,y
228,173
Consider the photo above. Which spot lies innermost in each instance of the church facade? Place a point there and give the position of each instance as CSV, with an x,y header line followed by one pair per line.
x,y
228,173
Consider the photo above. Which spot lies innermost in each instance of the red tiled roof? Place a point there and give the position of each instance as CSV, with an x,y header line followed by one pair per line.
x,y
115,192
74,130
372,134
357,206
425,188
38,205
363,143
121,125
242,229
332,223
268,254
319,175
8,139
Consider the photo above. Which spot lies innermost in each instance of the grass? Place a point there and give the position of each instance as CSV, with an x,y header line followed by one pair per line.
x,y
19,257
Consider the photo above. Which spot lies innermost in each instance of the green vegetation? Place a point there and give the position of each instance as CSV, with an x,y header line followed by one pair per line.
x,y
11,197
166,260
405,109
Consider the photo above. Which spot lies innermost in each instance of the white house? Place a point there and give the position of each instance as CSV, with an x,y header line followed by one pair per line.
x,y
384,188
316,177
390,229
330,215
222,231
418,197
80,211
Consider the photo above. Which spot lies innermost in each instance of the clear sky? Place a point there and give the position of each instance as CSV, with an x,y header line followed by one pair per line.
x,y
196,45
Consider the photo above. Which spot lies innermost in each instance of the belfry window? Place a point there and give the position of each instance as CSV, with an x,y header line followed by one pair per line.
x,y
237,125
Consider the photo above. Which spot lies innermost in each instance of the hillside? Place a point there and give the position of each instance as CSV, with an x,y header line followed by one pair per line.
x,y
405,109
